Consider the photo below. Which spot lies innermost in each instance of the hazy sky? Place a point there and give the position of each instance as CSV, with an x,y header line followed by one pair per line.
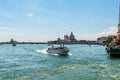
x,y
43,20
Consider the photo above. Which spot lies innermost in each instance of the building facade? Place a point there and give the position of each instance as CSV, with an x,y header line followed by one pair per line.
x,y
67,39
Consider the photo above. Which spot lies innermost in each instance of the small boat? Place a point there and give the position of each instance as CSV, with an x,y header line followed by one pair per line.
x,y
62,51
14,44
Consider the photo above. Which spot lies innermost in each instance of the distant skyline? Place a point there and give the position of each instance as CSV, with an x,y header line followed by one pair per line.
x,y
43,20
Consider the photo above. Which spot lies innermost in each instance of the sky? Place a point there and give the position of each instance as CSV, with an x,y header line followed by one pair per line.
x,y
44,20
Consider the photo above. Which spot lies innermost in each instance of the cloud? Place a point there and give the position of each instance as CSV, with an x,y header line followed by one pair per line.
x,y
94,36
34,17
24,36
4,28
7,33
30,14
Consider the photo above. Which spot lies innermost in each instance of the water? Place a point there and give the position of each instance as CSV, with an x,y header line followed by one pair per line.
x,y
32,62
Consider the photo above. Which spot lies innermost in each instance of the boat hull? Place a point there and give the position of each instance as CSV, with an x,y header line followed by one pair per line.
x,y
113,51
59,52
13,44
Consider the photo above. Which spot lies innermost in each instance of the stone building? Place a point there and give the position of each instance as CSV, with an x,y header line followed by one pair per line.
x,y
67,39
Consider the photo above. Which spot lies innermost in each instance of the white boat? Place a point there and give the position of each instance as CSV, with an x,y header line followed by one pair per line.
x,y
62,51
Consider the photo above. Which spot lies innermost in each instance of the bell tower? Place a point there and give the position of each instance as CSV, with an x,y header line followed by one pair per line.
x,y
117,39
119,21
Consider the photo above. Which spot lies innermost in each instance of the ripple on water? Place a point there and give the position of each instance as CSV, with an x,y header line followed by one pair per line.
x,y
85,63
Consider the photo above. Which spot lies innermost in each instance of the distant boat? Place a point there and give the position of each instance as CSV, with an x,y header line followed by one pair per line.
x,y
14,44
62,51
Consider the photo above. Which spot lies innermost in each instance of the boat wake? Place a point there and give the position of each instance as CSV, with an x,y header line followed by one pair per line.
x,y
69,53
44,51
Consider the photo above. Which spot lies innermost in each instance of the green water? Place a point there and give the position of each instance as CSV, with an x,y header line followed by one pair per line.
x,y
32,62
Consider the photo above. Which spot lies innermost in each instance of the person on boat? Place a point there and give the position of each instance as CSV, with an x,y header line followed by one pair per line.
x,y
61,47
